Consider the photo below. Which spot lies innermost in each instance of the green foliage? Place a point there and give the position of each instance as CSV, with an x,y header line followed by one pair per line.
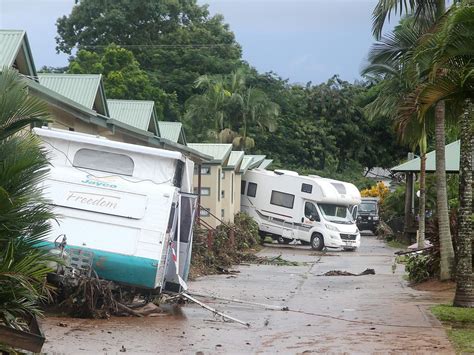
x,y
123,77
421,267
227,110
24,213
174,41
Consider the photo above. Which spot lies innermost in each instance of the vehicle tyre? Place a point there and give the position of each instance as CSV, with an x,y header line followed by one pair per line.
x,y
282,240
304,242
317,242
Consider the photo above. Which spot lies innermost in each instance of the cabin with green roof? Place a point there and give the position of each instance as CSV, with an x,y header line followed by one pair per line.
x,y
208,180
16,53
172,131
231,185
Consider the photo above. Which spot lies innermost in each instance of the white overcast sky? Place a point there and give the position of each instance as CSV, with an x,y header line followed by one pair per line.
x,y
303,40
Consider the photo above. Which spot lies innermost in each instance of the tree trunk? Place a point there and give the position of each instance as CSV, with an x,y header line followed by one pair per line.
x,y
464,296
445,241
421,227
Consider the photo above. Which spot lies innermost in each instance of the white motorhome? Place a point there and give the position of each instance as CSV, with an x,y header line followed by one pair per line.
x,y
311,209
128,205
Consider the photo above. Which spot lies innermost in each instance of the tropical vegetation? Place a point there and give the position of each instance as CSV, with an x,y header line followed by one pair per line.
x,y
24,214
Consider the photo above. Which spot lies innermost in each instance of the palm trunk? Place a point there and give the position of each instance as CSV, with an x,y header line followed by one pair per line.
x,y
421,227
464,296
445,241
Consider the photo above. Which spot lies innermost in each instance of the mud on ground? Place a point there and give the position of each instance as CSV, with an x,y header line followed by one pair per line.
x,y
351,314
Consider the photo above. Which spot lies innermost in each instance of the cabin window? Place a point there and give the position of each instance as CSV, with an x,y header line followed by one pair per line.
x,y
218,184
307,188
223,175
222,213
205,170
205,191
232,189
104,161
252,189
203,213
242,187
222,194
282,199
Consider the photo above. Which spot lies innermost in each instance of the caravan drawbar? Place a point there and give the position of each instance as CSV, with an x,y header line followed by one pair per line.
x,y
311,209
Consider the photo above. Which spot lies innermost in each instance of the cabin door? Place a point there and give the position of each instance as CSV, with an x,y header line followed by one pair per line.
x,y
179,251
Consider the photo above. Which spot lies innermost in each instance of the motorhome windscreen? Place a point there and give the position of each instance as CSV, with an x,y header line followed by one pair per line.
x,y
336,213
103,161
368,207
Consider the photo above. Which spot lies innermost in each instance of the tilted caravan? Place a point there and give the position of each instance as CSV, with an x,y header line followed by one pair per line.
x,y
128,205
311,209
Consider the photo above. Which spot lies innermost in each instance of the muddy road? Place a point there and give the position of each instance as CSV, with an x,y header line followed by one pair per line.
x,y
339,314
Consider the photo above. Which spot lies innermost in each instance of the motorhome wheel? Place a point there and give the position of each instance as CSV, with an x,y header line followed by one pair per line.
x,y
282,240
317,242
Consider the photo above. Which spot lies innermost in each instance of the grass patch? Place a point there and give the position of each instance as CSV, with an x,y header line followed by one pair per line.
x,y
446,313
461,323
396,244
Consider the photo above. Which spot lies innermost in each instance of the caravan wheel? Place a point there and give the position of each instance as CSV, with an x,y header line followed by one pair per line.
x,y
282,240
317,242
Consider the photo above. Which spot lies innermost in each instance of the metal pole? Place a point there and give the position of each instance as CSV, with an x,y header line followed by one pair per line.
x,y
178,240
199,196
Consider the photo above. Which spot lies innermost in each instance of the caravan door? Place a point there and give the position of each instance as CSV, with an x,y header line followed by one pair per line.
x,y
179,252
309,219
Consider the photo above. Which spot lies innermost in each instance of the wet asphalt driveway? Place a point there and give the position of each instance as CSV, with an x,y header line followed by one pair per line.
x,y
338,314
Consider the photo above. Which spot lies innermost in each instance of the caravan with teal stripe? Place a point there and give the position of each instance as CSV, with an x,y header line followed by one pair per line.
x,y
129,206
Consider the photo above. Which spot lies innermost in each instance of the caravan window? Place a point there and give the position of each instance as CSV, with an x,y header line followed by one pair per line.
x,y
307,188
242,187
252,189
282,199
103,161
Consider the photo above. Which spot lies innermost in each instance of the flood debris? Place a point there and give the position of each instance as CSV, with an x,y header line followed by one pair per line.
x,y
263,260
346,273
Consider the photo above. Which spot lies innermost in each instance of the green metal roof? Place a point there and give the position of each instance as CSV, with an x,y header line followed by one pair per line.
x,y
265,163
256,161
15,47
172,131
452,151
246,161
85,89
218,151
136,113
235,160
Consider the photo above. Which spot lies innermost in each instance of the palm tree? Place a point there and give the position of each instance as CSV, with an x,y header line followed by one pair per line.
x,y
449,52
24,214
230,106
391,61
425,14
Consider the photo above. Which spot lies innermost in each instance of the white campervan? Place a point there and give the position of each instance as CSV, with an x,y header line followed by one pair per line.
x,y
127,205
314,210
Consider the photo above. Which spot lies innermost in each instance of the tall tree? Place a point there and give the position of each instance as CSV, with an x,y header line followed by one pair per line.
x,y
123,77
175,41
449,53
425,13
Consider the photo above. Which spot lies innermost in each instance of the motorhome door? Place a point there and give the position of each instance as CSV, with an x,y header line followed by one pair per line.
x,y
179,251
309,218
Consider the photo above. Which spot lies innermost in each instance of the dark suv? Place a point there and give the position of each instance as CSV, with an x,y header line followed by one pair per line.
x,y
368,214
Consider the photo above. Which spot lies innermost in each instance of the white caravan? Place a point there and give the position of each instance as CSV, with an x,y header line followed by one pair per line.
x,y
314,210
128,205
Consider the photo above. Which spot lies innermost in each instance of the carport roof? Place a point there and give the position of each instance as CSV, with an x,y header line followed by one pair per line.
x,y
452,151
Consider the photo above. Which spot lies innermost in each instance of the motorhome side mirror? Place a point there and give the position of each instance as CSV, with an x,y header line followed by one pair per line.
x,y
311,218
